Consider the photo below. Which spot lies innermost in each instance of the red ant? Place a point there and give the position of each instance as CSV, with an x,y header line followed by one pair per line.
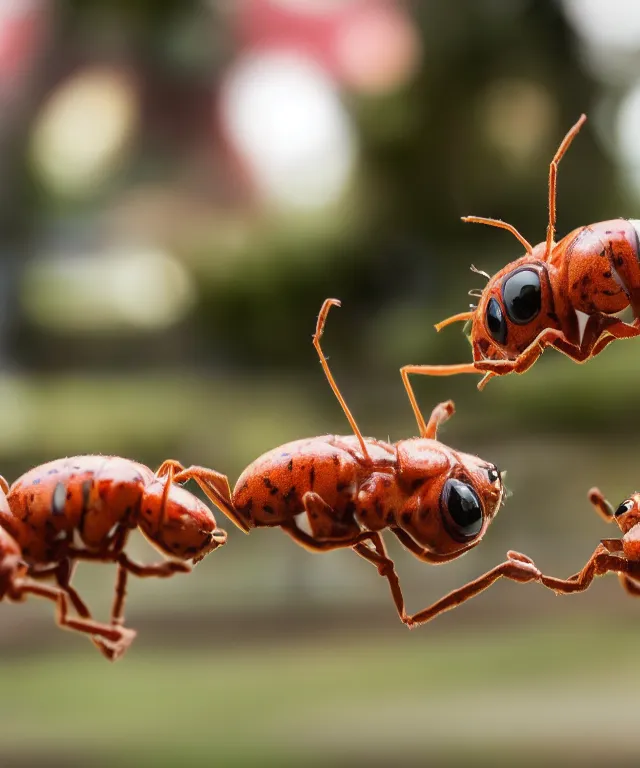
x,y
333,492
84,508
563,295
621,556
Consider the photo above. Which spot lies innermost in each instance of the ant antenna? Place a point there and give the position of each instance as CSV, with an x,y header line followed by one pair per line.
x,y
553,175
501,225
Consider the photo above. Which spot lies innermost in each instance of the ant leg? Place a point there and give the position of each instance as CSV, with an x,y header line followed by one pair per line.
x,y
630,586
441,413
424,554
322,319
517,568
217,489
169,464
553,174
386,567
125,566
601,505
160,570
114,640
599,563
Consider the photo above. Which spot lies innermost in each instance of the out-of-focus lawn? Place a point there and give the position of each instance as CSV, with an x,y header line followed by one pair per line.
x,y
565,692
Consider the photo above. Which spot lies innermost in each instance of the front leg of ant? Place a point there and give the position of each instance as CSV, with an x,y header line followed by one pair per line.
x,y
599,563
518,569
386,568
423,554
441,413
601,505
111,641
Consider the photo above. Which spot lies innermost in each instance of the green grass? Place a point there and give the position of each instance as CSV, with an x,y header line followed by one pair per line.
x,y
364,699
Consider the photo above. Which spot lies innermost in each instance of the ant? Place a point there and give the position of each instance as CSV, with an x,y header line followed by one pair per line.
x,y
563,295
84,508
332,492
621,556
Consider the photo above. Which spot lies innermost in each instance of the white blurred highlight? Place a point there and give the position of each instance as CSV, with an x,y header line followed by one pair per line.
x,y
84,129
127,287
628,143
609,23
284,117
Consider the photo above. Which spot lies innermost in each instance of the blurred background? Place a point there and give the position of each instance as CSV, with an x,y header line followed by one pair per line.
x,y
183,183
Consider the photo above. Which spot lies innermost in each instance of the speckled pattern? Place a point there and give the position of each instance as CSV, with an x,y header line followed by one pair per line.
x,y
91,498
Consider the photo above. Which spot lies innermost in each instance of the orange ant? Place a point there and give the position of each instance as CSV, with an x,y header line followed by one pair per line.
x,y
621,556
97,501
563,295
332,492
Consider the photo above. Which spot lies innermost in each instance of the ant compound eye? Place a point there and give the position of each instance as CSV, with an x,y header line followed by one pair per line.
x,y
522,297
624,507
462,511
496,323
494,474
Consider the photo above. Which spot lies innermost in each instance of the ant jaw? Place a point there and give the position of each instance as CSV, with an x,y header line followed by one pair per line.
x,y
219,537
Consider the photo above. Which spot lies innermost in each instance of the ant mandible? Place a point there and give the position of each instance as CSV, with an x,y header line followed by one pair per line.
x,y
332,492
563,295
84,508
621,556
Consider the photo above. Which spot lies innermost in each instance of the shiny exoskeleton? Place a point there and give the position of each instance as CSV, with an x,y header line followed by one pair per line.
x,y
621,556
563,295
84,508
332,492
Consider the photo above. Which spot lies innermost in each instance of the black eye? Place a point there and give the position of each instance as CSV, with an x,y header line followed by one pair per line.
x,y
495,322
521,296
624,507
494,474
462,510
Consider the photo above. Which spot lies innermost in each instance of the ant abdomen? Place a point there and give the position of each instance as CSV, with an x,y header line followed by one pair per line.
x,y
602,272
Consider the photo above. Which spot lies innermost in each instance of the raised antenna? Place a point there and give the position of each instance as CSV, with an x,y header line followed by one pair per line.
x,y
501,225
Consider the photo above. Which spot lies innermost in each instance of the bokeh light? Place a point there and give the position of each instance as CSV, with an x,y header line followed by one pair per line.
x,y
81,135
284,117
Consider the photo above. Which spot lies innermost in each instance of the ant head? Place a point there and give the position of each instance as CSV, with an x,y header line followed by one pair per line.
x,y
517,304
514,308
627,515
452,497
178,523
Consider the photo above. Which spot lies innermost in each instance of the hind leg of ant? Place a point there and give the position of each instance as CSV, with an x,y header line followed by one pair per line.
x,y
386,567
111,641
519,569
321,519
217,489
161,570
